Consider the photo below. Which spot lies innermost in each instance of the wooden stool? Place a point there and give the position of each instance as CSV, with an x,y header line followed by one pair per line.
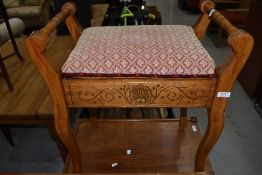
x,y
97,147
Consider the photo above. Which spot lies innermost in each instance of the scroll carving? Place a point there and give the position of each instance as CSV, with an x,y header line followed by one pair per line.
x,y
140,94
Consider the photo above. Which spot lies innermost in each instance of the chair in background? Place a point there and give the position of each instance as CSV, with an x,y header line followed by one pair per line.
x,y
34,13
6,30
253,85
237,16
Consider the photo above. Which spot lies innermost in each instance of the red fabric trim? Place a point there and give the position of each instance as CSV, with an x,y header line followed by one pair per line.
x,y
83,75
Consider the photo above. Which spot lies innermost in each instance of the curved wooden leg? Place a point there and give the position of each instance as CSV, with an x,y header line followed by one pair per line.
x,y
55,137
214,129
66,135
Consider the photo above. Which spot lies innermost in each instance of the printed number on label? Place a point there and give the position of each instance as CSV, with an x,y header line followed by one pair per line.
x,y
224,94
194,129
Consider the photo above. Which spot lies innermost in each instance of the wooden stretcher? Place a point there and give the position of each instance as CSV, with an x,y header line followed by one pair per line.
x,y
91,148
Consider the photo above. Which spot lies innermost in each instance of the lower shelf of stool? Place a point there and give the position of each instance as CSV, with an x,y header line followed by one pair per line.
x,y
157,146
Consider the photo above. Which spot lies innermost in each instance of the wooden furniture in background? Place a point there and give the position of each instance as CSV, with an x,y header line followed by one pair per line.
x,y
98,13
33,13
29,103
72,92
4,73
192,4
251,75
237,16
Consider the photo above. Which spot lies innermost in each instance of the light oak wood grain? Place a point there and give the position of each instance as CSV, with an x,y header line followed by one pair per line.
x,y
154,92
156,146
76,91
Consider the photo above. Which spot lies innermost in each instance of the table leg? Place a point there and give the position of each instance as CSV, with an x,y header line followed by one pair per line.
x,y
8,134
5,74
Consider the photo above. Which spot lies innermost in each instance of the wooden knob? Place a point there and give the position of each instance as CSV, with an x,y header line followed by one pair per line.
x,y
206,5
69,6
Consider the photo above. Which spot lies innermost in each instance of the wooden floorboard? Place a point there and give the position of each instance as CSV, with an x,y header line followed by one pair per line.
x,y
158,146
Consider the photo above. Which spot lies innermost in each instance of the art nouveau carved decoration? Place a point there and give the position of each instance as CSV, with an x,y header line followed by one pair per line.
x,y
149,93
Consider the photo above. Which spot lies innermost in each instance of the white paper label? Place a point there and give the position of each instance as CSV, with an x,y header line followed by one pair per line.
x,y
128,152
194,128
114,165
224,94
211,12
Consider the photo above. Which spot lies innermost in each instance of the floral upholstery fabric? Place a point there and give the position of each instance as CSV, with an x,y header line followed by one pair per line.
x,y
139,51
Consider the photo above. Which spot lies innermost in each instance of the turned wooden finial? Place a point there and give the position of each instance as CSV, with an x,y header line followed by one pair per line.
x,y
69,6
206,6
67,9
40,38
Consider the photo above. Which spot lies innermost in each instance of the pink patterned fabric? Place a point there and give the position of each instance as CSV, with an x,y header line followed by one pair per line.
x,y
139,51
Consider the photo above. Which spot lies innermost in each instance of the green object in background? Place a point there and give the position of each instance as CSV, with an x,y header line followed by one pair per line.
x,y
126,13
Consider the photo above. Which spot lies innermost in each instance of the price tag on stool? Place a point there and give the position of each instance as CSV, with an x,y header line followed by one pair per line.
x,y
223,94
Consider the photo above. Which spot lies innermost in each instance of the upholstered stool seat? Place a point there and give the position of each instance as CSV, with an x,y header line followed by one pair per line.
x,y
168,51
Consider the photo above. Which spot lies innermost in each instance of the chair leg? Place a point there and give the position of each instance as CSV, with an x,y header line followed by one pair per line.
x,y
5,75
8,134
93,115
183,117
143,111
166,113
128,113
170,113
5,16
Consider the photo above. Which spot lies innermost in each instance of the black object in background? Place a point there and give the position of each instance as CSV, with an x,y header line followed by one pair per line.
x,y
118,3
141,16
83,14
182,5
251,75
